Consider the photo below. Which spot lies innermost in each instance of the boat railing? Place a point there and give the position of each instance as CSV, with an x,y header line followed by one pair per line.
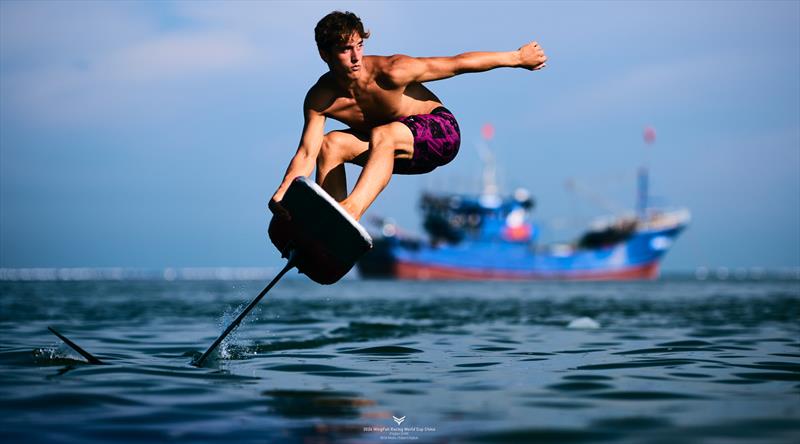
x,y
661,219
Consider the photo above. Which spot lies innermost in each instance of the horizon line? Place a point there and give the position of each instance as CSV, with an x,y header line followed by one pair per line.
x,y
49,274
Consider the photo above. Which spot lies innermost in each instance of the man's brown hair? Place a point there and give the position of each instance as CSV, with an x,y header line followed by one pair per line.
x,y
336,28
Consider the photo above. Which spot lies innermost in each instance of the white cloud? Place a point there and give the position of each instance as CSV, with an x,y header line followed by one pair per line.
x,y
179,55
44,33
101,62
44,80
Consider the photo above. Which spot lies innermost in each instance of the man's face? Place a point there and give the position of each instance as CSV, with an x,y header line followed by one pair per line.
x,y
346,59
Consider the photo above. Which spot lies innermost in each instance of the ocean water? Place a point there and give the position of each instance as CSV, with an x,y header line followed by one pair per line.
x,y
676,360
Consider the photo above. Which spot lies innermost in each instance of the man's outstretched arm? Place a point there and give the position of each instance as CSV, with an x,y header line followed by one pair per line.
x,y
403,70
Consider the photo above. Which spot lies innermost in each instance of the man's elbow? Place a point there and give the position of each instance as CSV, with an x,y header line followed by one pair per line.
x,y
304,155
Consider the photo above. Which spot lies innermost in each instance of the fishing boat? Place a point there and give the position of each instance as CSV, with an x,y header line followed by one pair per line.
x,y
493,236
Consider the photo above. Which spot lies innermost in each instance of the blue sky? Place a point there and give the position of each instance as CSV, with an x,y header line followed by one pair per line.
x,y
151,134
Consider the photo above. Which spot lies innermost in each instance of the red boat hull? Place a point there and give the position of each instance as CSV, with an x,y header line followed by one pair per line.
x,y
415,271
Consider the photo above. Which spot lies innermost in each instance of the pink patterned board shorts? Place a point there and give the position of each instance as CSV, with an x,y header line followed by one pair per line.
x,y
436,141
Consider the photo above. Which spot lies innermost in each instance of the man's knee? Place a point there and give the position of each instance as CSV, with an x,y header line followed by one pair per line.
x,y
393,136
333,145
383,133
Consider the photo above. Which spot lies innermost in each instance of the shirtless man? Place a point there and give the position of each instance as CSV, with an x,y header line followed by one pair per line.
x,y
396,124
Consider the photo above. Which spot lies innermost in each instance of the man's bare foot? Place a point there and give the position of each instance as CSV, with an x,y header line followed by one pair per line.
x,y
278,210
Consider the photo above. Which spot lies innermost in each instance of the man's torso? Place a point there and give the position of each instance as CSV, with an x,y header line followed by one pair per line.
x,y
373,101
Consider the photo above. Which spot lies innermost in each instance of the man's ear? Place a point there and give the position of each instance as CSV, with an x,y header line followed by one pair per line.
x,y
324,55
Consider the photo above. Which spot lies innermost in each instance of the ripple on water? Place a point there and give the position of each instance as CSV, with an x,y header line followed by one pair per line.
x,y
643,396
629,337
504,341
639,363
385,350
588,377
738,381
318,370
650,377
579,386
477,364
69,401
300,356
562,405
476,388
769,376
632,423
670,349
580,351
404,381
492,348
717,332
690,375
769,365
404,391
688,343
734,347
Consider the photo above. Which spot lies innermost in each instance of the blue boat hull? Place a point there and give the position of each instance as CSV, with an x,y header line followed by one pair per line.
x,y
637,257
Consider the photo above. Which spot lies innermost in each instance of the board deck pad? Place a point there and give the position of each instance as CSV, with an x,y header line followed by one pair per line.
x,y
326,239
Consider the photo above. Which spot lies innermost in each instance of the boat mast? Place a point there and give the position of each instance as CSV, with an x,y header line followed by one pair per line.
x,y
490,187
641,191
643,177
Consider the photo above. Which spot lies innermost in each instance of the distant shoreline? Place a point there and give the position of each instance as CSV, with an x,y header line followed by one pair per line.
x,y
264,273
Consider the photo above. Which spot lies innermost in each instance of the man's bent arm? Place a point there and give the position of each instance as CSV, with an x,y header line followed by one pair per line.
x,y
305,159
403,69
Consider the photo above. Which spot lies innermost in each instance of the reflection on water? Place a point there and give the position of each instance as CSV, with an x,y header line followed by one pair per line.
x,y
315,403
383,361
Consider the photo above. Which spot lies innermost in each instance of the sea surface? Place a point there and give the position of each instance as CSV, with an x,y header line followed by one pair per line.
x,y
675,360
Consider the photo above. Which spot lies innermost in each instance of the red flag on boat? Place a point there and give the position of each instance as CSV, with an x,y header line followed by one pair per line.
x,y
487,131
649,134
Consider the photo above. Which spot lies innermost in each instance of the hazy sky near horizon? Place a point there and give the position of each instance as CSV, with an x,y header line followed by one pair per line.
x,y
151,134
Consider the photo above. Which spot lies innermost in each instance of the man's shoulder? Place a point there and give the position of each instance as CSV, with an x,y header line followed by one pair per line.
x,y
391,69
377,60
323,84
321,91
384,64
